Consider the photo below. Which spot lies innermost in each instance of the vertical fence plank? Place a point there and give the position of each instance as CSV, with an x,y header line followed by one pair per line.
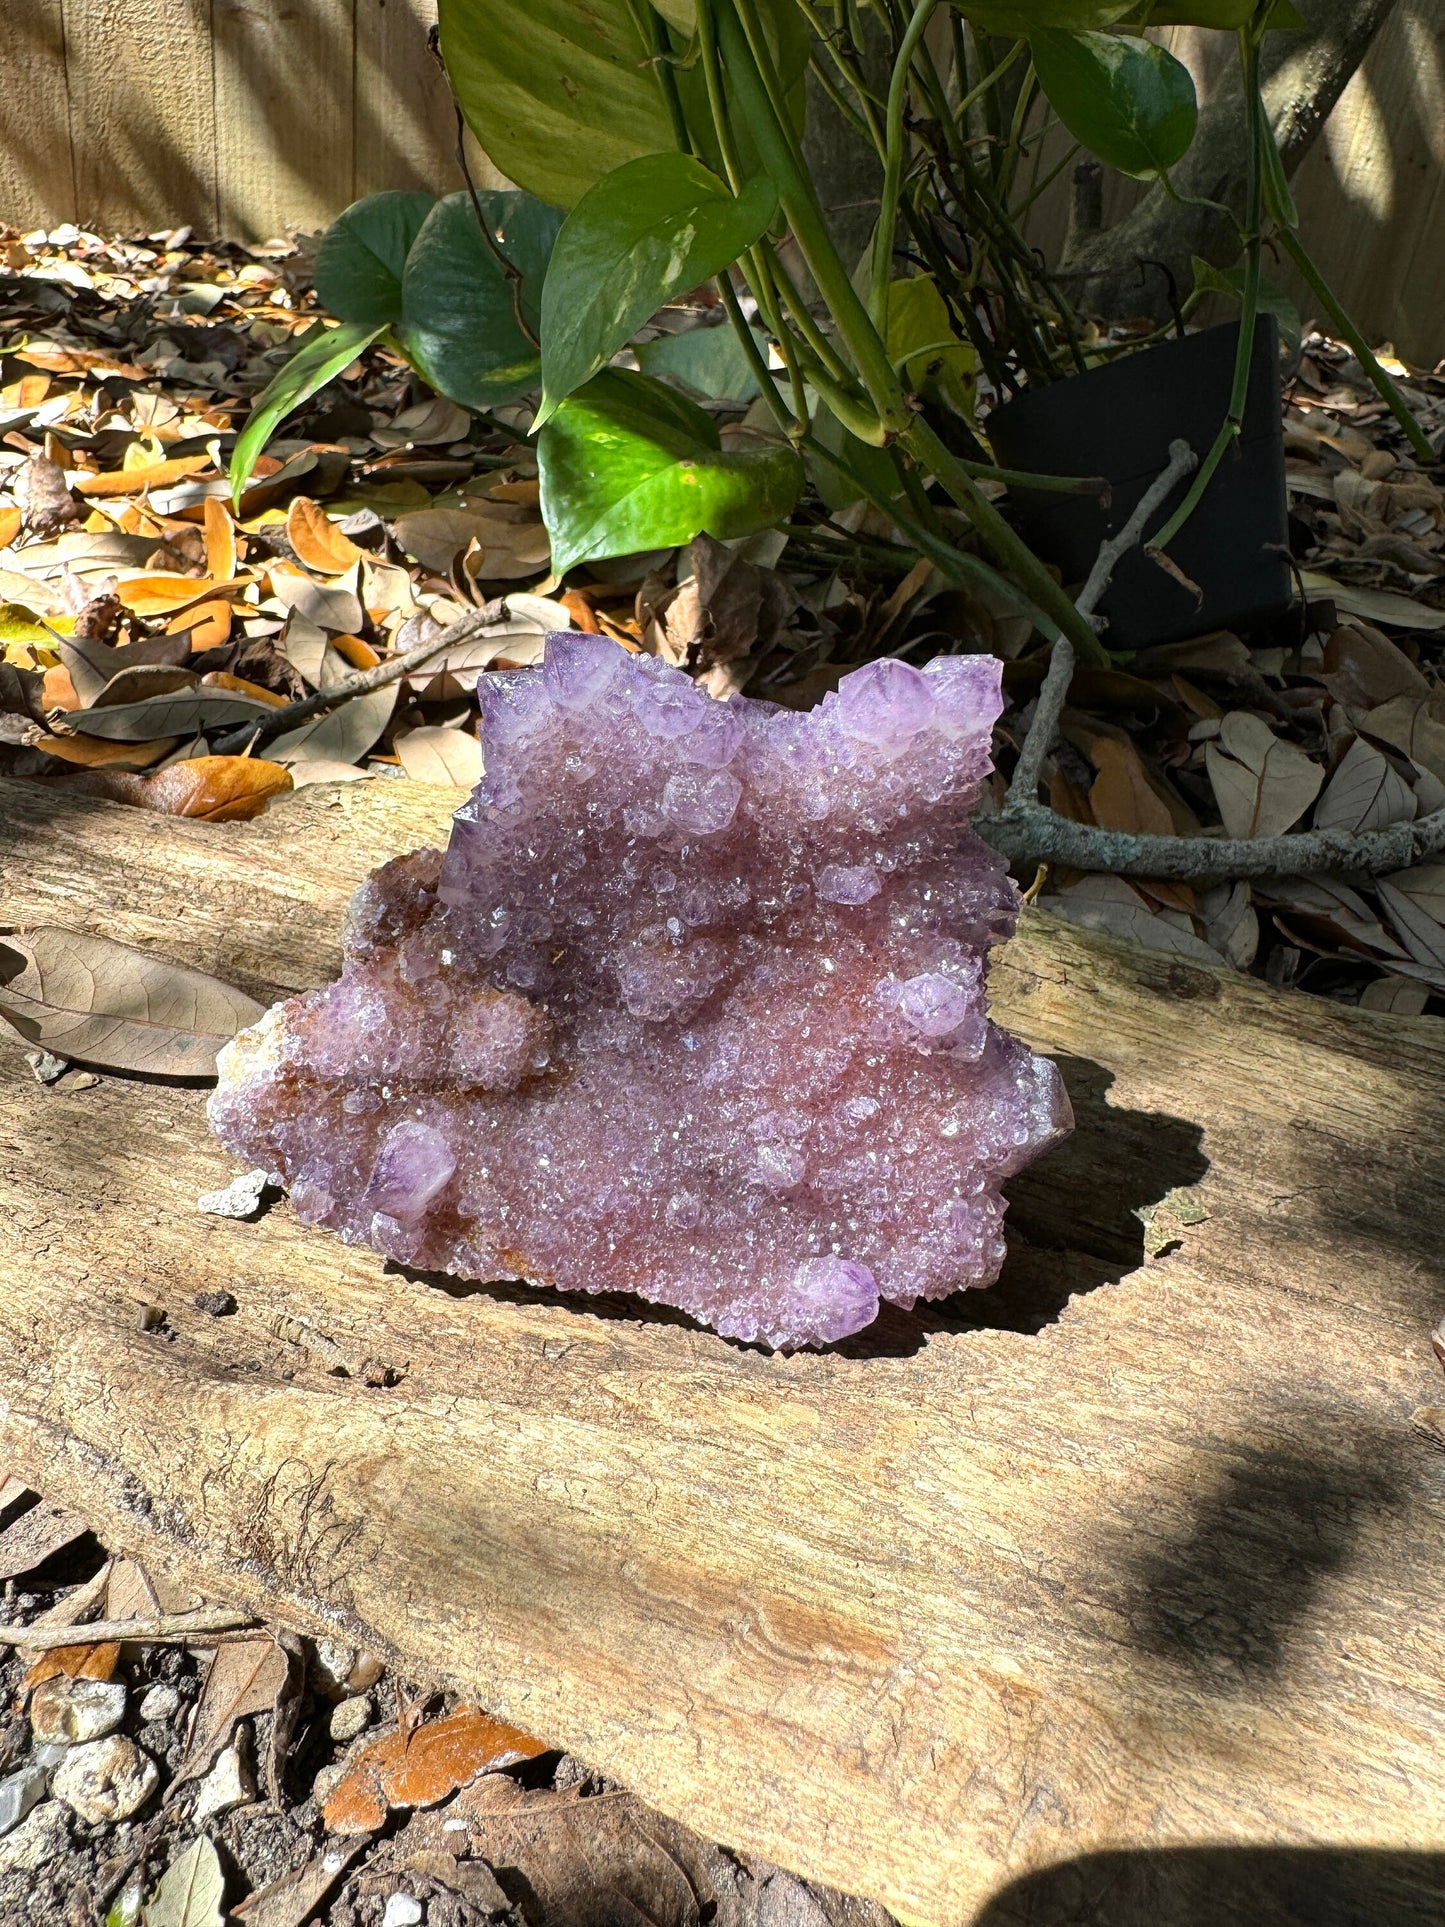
x,y
285,79
1372,210
405,132
142,110
37,182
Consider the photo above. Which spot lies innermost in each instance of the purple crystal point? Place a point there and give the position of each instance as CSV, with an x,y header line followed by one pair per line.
x,y
692,1007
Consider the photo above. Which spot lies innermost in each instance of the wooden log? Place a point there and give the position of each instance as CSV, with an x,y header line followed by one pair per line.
x,y
1150,1566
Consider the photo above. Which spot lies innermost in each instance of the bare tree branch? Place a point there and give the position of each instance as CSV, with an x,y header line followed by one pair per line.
x,y
1029,834
360,682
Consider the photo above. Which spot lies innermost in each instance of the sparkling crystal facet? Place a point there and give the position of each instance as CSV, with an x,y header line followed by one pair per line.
x,y
692,1007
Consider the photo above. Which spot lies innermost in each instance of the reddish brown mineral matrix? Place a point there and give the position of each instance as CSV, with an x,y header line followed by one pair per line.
x,y
692,1007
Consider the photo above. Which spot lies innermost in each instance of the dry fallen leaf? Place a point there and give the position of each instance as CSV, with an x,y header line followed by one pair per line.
x,y
1122,796
1365,793
1421,935
1413,724
11,521
30,1540
217,789
1333,912
98,1002
190,1891
95,752
316,539
342,735
73,1662
221,548
297,1897
1363,669
333,605
246,1677
1262,784
130,481
180,713
419,1770
1109,903
441,756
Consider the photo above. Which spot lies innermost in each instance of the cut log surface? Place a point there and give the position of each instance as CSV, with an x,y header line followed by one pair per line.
x,y
1123,1554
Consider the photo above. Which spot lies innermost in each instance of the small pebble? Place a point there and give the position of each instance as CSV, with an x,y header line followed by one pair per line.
x,y
401,1911
86,1081
106,1780
20,1794
327,1781
76,1710
48,1753
37,1842
351,1717
46,1065
227,1785
238,1199
162,1702
215,1304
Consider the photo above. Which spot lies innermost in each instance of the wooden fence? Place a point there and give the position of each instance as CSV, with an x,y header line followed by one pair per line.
x,y
248,117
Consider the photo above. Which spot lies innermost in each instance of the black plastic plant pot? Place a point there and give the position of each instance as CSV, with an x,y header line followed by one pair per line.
x,y
1118,421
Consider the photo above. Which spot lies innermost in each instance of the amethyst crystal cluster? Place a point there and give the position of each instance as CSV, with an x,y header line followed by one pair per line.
x,y
692,1007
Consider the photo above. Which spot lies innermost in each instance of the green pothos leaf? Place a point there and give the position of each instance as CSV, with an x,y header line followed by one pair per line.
x,y
1127,100
628,464
322,355
653,229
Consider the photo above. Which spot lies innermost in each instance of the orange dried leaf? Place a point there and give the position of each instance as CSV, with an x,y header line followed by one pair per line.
x,y
1123,797
317,540
352,649
421,1769
222,679
120,481
220,530
10,524
73,1662
57,690
216,789
78,361
98,752
208,625
575,602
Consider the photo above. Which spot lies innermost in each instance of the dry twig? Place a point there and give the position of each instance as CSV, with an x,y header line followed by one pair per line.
x,y
361,682
168,1628
1028,832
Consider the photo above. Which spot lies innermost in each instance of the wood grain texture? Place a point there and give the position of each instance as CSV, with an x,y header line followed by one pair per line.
x,y
37,175
1371,194
141,104
285,101
1153,1566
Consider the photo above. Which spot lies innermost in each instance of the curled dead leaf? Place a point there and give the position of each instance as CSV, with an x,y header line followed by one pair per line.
x,y
316,539
419,1769
222,552
95,752
217,789
131,481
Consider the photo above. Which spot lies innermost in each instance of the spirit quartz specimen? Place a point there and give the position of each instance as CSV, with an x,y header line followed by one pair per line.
x,y
692,1007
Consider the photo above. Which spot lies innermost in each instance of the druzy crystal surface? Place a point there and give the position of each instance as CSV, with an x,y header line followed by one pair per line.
x,y
692,1007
